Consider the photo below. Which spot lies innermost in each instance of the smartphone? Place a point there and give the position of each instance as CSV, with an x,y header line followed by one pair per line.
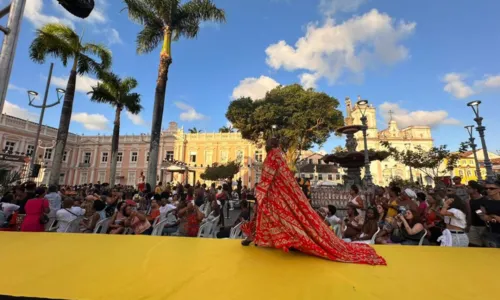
x,y
479,212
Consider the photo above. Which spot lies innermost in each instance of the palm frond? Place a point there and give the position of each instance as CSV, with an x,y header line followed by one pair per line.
x,y
142,12
187,21
102,94
101,51
56,40
128,84
149,37
132,102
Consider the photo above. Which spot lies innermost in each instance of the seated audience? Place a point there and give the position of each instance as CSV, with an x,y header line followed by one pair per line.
x,y
137,221
99,213
244,216
331,219
116,224
370,226
352,223
410,229
65,215
192,217
7,206
155,209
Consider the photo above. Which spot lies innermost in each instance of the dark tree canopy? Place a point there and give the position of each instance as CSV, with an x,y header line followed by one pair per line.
x,y
220,172
302,118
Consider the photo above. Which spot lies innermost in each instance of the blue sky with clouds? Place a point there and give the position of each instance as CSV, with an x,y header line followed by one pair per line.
x,y
422,59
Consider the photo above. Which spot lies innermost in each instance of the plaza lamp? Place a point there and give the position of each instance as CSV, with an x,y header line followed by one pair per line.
x,y
363,105
473,146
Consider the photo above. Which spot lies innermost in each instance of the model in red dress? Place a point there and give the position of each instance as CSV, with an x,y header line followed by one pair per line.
x,y
285,220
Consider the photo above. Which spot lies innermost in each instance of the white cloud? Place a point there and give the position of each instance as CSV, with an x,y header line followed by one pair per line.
x,y
456,86
254,88
113,36
136,119
91,121
84,83
405,118
308,80
489,81
33,12
330,7
19,112
332,49
189,113
17,88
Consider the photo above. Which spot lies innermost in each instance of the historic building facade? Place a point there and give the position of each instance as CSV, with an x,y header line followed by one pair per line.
x,y
87,159
402,139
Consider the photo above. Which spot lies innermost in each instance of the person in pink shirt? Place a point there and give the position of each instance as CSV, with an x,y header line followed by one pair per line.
x,y
35,208
422,207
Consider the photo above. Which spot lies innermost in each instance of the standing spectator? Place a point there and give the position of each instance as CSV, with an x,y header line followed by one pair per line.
x,y
54,201
234,199
460,189
432,219
394,193
422,207
476,226
67,214
356,199
455,219
491,215
28,192
35,208
159,188
407,199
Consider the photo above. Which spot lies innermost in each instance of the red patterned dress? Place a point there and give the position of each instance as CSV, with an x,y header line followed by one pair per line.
x,y
284,219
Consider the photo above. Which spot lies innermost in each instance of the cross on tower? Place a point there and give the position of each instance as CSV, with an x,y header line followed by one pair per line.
x,y
390,115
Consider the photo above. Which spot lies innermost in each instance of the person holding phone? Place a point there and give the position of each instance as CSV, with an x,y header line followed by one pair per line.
x,y
476,227
453,211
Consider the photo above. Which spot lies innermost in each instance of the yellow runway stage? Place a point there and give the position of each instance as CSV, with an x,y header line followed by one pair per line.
x,y
77,266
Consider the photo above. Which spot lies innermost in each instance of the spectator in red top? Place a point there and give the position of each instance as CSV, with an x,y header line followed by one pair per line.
x,y
155,209
34,209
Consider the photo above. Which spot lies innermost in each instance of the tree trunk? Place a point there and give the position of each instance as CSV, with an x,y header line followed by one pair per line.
x,y
114,146
62,132
161,86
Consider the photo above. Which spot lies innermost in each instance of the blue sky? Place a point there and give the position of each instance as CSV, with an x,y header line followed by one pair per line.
x,y
423,59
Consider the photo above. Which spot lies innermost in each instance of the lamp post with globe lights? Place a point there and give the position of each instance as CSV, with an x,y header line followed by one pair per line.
x,y
363,105
473,147
32,95
490,176
408,146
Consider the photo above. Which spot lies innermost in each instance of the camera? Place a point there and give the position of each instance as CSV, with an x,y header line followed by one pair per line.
x,y
402,210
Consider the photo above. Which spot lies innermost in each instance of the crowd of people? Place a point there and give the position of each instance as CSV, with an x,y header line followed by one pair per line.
x,y
457,216
125,209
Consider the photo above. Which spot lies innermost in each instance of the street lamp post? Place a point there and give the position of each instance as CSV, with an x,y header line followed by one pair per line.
x,y
32,96
473,147
407,145
362,105
490,176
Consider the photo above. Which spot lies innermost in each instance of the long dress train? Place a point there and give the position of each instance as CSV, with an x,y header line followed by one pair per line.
x,y
285,219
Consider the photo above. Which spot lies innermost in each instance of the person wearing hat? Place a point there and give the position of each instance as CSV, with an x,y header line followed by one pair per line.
x,y
408,198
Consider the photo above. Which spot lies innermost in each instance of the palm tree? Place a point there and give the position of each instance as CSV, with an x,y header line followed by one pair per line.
x,y
60,41
164,21
195,130
116,92
226,129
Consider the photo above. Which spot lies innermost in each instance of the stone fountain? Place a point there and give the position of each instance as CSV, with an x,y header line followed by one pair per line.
x,y
352,159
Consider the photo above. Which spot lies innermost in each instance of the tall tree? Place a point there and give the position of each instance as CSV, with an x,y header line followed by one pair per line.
x,y
60,41
194,130
226,129
116,92
222,171
164,21
302,118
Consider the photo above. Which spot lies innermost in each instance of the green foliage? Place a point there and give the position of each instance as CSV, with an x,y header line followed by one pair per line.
x,y
116,92
194,130
302,118
180,18
60,41
8,176
429,162
226,129
220,172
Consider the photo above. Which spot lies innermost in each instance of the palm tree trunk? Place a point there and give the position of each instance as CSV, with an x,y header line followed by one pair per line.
x,y
114,146
161,87
62,132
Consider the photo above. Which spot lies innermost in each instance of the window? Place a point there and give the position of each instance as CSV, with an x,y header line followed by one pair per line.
x,y
239,156
83,178
48,154
469,173
101,177
104,157
337,177
133,157
86,157
320,176
461,173
118,176
330,177
61,178
310,161
471,161
65,156
119,157
30,149
147,156
131,178
258,155
10,146
169,156
209,158
192,157
224,158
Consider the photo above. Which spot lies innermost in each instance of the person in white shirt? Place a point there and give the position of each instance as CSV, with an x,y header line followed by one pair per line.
x,y
7,207
67,214
77,207
54,201
235,198
456,221
331,219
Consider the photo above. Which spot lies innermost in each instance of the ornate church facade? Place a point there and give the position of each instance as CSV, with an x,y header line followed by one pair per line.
x,y
408,138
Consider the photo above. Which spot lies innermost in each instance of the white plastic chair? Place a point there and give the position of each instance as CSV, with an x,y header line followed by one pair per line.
x,y
74,225
158,228
423,238
156,220
205,230
51,226
236,232
337,230
215,223
102,226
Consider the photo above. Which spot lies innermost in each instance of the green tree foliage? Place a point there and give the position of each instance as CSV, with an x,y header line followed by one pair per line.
x,y
221,172
430,162
194,130
226,129
302,118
